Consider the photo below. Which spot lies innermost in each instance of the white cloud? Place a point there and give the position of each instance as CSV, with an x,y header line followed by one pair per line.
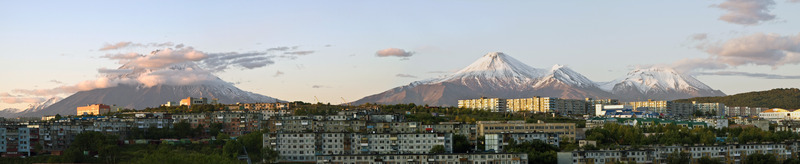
x,y
396,52
17,100
746,12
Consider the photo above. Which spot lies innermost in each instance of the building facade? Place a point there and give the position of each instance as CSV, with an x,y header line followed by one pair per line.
x,y
483,103
94,109
563,130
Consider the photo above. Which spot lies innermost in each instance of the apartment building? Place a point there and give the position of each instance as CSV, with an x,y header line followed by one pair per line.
x,y
718,109
498,141
17,140
481,158
666,107
743,111
563,130
483,103
734,153
93,109
300,147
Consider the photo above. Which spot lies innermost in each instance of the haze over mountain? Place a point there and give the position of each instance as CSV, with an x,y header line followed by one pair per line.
x,y
499,75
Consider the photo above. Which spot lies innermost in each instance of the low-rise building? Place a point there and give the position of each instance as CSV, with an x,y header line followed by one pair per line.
x,y
303,147
734,153
564,130
482,158
497,142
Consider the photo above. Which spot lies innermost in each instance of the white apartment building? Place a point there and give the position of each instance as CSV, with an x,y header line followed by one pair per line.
x,y
483,103
299,147
728,153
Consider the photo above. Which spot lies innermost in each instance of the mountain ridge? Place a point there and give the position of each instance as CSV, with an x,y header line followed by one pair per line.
x,y
499,75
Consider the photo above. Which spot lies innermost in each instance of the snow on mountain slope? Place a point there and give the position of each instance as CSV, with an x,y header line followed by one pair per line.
x,y
496,66
658,83
569,77
493,75
657,79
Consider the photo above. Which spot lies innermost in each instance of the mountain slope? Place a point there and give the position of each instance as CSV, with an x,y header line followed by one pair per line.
x,y
786,98
135,97
142,87
658,83
493,75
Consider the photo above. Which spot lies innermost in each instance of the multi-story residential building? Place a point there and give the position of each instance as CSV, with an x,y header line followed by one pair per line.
x,y
18,140
743,111
791,126
534,104
734,153
666,107
238,123
483,103
94,109
718,109
564,130
497,142
482,158
297,147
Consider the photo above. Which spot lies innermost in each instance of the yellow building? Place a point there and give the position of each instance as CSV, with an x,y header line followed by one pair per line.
x,y
94,109
547,104
483,103
665,107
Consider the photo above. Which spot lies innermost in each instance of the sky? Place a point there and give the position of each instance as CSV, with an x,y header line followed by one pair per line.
x,y
341,51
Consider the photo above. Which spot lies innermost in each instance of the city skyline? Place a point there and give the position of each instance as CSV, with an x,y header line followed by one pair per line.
x,y
352,49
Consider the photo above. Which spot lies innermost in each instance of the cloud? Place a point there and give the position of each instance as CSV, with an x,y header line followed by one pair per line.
x,y
758,49
793,1
6,94
396,52
177,66
159,58
279,73
406,75
746,12
17,100
56,81
299,52
284,48
121,45
747,74
319,86
113,71
102,82
221,61
692,65
701,36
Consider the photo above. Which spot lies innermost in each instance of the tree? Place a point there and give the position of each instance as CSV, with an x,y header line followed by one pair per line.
x,y
232,148
707,160
760,158
461,144
678,157
438,149
270,155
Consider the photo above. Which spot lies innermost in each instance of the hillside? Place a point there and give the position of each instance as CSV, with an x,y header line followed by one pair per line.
x,y
786,98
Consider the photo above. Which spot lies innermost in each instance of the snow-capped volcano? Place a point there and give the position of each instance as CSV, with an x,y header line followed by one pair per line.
x,y
658,83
